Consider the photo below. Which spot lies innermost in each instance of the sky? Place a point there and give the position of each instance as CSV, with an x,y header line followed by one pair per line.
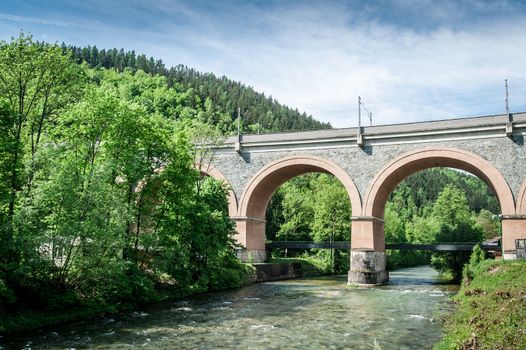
x,y
409,60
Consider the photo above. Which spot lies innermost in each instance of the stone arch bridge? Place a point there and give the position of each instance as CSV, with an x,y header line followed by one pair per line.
x,y
370,162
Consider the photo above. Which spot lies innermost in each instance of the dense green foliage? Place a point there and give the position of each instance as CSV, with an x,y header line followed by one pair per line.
x,y
101,204
312,207
454,224
424,208
259,112
491,307
423,188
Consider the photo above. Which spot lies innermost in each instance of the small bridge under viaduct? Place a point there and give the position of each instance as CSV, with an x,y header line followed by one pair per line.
x,y
370,162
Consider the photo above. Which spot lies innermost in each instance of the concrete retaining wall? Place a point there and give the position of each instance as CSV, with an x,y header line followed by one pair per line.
x,y
274,272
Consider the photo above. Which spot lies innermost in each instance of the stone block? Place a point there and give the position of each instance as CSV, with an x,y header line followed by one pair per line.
x,y
367,268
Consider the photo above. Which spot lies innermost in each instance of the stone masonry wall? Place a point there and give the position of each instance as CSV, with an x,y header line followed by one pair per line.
x,y
362,165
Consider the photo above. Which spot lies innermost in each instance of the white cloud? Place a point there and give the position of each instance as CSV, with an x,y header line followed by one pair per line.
x,y
36,20
320,59
438,61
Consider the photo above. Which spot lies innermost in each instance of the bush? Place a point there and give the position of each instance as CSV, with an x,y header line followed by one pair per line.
x,y
120,283
476,257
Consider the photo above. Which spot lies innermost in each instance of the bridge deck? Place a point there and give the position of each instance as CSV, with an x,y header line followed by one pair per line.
x,y
470,123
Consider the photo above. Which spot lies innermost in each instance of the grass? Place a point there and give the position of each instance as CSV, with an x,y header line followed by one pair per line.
x,y
491,312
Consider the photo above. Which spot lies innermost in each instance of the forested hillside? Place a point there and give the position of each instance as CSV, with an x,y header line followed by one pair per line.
x,y
259,113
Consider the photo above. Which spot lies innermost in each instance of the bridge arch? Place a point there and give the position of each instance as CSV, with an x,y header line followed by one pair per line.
x,y
368,240
211,171
403,166
232,199
259,190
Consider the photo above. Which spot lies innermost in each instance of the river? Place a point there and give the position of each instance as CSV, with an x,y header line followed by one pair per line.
x,y
310,313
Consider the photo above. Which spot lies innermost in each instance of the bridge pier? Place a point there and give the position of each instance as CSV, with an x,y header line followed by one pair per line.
x,y
513,227
367,252
367,268
251,235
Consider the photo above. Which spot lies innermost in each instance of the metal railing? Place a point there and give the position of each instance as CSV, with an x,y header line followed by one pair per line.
x,y
342,245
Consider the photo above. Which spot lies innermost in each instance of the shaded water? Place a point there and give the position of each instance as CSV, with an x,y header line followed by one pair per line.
x,y
315,313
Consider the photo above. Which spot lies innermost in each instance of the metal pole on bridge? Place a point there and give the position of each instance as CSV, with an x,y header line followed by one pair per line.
x,y
359,112
359,138
238,122
509,124
238,143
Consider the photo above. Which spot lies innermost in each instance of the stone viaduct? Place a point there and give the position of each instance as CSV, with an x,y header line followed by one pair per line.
x,y
370,162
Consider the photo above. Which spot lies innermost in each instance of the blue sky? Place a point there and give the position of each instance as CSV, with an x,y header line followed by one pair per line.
x,y
409,60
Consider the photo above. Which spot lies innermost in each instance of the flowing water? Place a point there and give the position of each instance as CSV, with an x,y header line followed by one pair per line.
x,y
314,313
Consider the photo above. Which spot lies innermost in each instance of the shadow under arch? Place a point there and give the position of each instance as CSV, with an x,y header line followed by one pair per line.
x,y
411,162
514,228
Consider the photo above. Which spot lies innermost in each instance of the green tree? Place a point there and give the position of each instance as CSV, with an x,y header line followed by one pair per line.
x,y
456,224
394,227
422,229
100,195
332,218
477,255
489,225
38,80
7,145
274,215
298,210
80,206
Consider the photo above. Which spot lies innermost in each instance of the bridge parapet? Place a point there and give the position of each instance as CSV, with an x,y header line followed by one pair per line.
x,y
475,127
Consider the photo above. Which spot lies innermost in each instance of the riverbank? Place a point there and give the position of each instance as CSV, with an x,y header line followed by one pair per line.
x,y
67,307
491,311
253,273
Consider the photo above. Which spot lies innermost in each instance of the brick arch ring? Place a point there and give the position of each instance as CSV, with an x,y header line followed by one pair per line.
x,y
264,183
401,167
521,200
